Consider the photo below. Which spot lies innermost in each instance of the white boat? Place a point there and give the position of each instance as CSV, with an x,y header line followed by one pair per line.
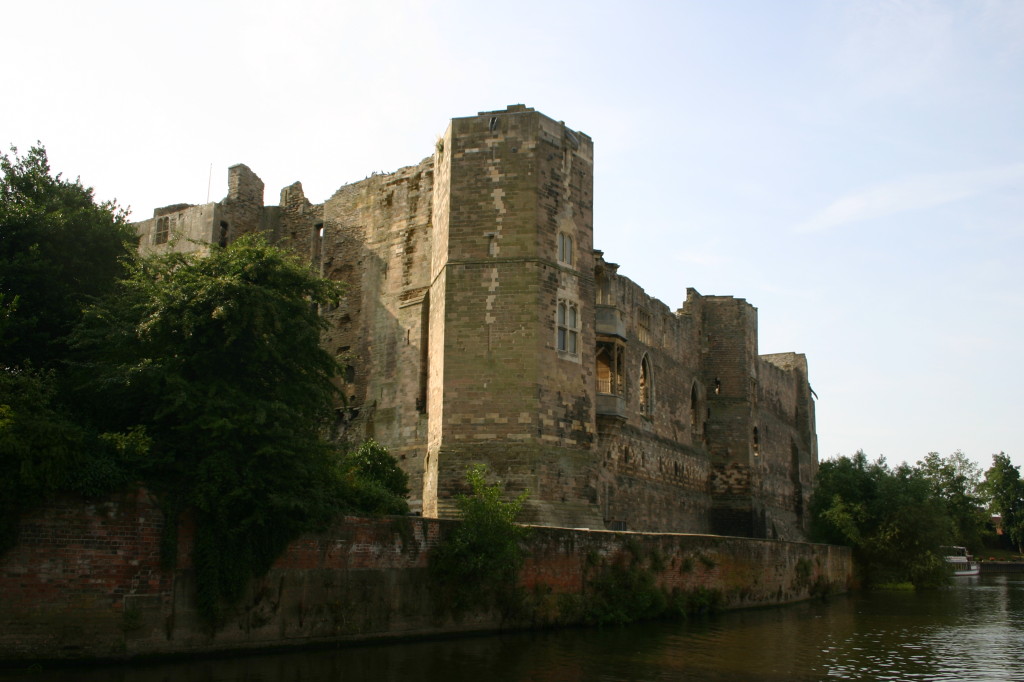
x,y
961,562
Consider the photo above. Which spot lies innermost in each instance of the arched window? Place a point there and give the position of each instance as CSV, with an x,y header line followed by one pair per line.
x,y
646,392
568,327
163,230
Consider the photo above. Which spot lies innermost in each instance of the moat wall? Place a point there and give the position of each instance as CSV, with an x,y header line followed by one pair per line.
x,y
85,582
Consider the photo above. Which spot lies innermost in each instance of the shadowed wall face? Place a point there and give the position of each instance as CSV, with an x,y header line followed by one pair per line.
x,y
86,581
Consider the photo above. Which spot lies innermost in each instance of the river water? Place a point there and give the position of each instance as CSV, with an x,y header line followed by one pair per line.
x,y
972,631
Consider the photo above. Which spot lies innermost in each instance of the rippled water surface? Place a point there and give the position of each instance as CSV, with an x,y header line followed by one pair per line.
x,y
974,631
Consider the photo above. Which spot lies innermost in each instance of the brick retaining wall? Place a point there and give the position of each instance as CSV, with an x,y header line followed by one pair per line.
x,y
85,582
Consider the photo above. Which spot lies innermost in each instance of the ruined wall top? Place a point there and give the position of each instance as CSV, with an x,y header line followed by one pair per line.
x,y
244,185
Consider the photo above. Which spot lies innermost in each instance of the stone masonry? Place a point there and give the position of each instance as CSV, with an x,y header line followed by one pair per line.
x,y
480,325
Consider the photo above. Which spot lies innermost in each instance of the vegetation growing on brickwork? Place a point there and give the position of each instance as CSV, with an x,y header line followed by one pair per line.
x,y
199,375
218,358
477,564
625,590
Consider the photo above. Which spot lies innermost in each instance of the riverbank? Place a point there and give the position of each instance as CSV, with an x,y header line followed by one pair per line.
x,y
1002,566
967,632
85,582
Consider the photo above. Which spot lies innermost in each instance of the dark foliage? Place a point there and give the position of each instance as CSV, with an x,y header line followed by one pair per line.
x,y
891,517
59,250
1005,491
198,375
477,564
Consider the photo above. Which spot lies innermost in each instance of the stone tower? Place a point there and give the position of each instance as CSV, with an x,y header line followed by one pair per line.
x,y
511,362
479,325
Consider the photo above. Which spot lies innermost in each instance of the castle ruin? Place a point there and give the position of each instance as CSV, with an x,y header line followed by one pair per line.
x,y
480,325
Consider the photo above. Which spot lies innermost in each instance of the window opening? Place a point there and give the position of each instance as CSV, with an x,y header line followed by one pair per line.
x,y
568,327
163,230
798,488
318,243
609,369
603,290
223,239
643,323
421,395
645,387
696,425
757,442
565,248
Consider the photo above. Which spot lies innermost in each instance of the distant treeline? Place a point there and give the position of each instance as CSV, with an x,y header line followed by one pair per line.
x,y
897,518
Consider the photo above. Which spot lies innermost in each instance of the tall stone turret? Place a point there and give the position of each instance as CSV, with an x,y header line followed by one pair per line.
x,y
511,360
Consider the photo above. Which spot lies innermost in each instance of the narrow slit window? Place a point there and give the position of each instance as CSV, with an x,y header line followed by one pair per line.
x,y
565,248
567,323
643,327
645,387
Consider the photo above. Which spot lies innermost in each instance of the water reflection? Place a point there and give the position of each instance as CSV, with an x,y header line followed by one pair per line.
x,y
973,631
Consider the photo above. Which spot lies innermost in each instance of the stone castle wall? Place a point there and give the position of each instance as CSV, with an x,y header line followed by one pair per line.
x,y
480,325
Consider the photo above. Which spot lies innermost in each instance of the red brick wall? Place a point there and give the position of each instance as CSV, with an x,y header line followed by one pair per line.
x,y
85,582
75,568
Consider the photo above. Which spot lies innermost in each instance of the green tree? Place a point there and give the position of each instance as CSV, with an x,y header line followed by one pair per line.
x,y
889,516
59,250
199,375
1005,491
956,481
478,563
217,357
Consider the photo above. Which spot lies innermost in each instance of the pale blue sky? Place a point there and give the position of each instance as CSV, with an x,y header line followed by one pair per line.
x,y
853,169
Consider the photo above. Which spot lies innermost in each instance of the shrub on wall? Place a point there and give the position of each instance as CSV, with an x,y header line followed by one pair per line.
x,y
371,480
477,564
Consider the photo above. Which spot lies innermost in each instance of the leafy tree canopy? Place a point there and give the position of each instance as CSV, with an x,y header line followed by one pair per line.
x,y
217,358
59,249
891,518
956,481
212,352
372,480
1005,491
200,375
